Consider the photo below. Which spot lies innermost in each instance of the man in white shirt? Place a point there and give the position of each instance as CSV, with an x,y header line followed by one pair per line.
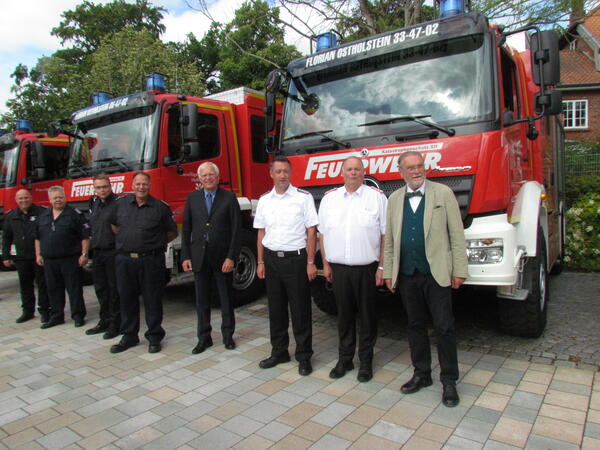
x,y
286,220
352,229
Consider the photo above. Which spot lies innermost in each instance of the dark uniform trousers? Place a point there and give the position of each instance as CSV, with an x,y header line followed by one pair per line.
x,y
354,291
203,281
64,273
422,295
105,285
143,276
29,272
287,284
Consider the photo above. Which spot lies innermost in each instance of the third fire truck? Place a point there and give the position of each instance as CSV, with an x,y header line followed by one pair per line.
x,y
481,112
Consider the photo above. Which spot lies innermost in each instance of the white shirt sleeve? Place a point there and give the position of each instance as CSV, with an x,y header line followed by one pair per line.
x,y
310,212
259,218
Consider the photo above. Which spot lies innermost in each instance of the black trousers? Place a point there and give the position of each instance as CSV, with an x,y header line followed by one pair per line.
x,y
422,296
105,285
203,281
143,276
29,272
287,285
354,291
64,273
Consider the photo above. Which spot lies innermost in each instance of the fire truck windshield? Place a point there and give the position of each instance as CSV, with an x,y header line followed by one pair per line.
x,y
119,142
8,166
448,81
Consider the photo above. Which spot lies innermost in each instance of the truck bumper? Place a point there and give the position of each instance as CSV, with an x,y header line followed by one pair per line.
x,y
504,273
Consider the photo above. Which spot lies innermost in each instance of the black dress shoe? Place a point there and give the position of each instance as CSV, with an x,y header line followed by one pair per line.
x,y
415,384
340,369
450,396
110,334
79,323
100,328
52,323
154,348
229,343
272,361
305,368
202,346
44,317
123,345
24,317
365,373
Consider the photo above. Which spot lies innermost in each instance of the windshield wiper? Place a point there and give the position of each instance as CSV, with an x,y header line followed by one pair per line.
x,y
318,133
415,118
116,160
79,168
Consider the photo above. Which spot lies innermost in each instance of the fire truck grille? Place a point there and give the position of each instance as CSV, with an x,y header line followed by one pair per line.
x,y
460,185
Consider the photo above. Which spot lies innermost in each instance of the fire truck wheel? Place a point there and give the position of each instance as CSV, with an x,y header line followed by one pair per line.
x,y
322,295
527,318
247,286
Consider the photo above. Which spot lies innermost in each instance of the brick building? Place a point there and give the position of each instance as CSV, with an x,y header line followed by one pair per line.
x,y
580,77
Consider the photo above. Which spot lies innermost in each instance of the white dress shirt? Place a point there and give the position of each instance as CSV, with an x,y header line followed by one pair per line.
x,y
285,218
414,201
352,225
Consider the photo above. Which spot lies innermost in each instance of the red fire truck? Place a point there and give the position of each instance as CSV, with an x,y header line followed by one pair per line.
x,y
484,117
31,161
169,136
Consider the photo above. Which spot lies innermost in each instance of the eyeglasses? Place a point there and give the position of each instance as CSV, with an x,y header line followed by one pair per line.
x,y
416,168
103,186
208,175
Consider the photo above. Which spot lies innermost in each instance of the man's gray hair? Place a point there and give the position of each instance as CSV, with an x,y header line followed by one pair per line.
x,y
52,189
208,164
407,154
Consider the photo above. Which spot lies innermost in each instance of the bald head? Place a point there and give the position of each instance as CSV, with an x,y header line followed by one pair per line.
x,y
23,199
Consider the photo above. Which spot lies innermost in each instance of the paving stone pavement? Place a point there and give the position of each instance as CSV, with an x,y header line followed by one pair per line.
x,y
62,389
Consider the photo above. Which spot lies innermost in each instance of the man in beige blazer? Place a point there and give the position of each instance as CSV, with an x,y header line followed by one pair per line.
x,y
425,258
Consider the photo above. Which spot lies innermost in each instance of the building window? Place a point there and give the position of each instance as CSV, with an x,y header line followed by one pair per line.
x,y
576,113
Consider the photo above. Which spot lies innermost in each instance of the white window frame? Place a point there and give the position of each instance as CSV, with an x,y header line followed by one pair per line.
x,y
576,114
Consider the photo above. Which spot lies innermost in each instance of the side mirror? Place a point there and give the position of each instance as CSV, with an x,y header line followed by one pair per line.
x,y
54,129
508,118
274,82
551,101
189,121
545,59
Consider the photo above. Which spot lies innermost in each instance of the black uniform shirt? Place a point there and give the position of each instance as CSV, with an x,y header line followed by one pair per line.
x,y
62,236
100,212
19,229
142,228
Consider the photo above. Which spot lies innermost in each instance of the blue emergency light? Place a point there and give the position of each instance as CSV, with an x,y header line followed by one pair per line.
x,y
451,8
100,97
23,125
155,82
326,40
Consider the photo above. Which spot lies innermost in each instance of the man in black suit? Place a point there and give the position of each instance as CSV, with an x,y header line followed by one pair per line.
x,y
210,245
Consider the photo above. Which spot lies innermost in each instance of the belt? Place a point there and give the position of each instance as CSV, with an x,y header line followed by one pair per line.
x,y
142,254
287,254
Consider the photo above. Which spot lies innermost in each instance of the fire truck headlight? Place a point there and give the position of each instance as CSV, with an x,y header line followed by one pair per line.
x,y
485,251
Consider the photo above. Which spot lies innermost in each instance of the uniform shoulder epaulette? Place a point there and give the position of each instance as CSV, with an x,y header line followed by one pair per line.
x,y
376,189
303,191
165,203
77,210
330,191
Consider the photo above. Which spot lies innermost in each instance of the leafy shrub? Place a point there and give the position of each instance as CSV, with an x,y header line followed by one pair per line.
x,y
578,186
583,234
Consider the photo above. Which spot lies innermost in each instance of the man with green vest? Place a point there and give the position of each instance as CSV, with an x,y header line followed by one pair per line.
x,y
425,257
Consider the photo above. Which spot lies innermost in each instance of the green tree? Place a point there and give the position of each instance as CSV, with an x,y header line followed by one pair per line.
x,y
243,51
122,60
88,23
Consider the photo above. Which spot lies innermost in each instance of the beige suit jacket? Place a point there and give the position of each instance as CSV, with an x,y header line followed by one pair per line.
x,y
445,245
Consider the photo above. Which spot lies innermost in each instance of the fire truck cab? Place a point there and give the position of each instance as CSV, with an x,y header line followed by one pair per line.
x,y
32,161
482,114
169,136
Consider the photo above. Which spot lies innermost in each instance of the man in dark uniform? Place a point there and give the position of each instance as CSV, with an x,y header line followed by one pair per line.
x,y
102,243
19,230
143,226
210,245
286,220
61,246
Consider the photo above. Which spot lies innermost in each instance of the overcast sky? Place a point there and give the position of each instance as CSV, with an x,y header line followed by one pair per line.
x,y
25,27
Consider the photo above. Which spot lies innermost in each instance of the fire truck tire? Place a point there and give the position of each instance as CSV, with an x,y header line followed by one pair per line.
x,y
322,295
247,287
527,318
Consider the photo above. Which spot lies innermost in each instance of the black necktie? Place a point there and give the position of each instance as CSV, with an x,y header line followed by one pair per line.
x,y
413,194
